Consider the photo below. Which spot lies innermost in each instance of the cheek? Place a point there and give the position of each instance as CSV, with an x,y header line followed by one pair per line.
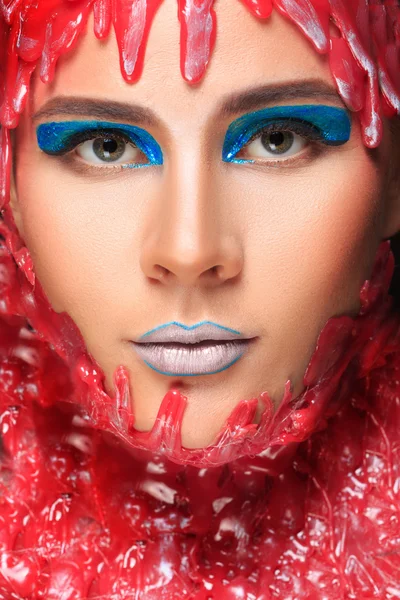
x,y
314,235
318,221
84,237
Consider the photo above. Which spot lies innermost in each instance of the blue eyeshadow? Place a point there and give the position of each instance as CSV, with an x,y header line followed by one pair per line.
x,y
58,138
327,124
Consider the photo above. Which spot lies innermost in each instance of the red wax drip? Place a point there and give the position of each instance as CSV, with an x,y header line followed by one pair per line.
x,y
370,115
5,165
311,17
259,8
198,23
349,77
102,18
132,21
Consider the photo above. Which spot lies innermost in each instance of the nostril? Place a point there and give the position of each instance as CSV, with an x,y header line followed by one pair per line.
x,y
160,272
218,273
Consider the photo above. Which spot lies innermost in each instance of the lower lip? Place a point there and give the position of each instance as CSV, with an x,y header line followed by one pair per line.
x,y
206,358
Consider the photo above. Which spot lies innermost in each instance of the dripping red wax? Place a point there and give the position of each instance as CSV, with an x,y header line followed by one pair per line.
x,y
220,524
83,516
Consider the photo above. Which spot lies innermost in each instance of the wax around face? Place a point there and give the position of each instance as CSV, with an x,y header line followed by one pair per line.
x,y
218,541
82,515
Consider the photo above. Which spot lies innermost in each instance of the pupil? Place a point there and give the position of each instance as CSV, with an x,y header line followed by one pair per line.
x,y
110,146
276,138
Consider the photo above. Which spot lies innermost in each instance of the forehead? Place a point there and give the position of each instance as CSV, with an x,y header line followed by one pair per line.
x,y
248,53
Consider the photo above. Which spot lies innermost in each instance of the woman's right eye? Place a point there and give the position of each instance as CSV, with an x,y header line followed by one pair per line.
x,y
100,143
110,149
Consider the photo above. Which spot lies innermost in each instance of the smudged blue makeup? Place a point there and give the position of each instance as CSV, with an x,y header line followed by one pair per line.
x,y
59,138
328,125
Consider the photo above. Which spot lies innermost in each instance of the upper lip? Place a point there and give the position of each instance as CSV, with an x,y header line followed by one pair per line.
x,y
189,334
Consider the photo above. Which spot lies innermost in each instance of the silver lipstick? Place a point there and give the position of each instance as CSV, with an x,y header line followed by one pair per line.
x,y
205,348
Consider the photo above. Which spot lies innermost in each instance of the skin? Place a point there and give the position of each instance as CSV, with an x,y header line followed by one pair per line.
x,y
272,250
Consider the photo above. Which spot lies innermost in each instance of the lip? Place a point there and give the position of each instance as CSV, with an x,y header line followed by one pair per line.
x,y
205,348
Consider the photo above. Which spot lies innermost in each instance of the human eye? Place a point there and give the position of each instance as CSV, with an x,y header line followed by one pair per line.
x,y
100,144
276,143
284,133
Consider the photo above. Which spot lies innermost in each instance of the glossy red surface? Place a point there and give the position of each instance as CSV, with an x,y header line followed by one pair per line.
x,y
87,513
304,505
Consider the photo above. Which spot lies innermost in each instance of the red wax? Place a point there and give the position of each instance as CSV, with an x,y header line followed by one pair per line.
x,y
303,505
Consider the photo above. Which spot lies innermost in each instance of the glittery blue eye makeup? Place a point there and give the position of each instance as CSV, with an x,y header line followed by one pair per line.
x,y
100,143
282,125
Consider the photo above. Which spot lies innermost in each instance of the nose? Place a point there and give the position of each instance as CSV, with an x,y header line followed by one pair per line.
x,y
190,240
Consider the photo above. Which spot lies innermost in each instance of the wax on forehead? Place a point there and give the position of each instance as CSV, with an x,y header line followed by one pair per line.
x,y
364,59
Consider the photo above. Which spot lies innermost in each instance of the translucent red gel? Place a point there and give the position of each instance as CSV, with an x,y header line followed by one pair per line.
x,y
303,505
86,513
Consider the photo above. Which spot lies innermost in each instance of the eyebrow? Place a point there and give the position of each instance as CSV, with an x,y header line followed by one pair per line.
x,y
237,102
275,94
101,109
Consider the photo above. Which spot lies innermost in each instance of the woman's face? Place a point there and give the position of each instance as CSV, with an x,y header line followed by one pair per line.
x,y
162,223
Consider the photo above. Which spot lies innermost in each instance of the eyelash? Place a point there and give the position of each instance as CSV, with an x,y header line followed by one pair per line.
x,y
60,139
304,129
67,154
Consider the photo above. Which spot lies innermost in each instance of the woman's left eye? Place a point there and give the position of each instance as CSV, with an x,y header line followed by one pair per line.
x,y
285,134
273,144
111,149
